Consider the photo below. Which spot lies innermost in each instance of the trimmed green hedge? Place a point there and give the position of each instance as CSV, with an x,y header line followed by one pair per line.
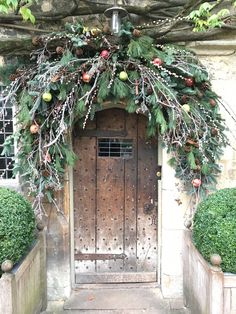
x,y
214,228
17,225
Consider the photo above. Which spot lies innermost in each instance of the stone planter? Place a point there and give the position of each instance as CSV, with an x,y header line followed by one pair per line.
x,y
207,290
23,290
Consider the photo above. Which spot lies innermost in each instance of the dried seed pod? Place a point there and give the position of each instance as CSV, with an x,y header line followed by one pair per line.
x,y
136,33
36,41
60,50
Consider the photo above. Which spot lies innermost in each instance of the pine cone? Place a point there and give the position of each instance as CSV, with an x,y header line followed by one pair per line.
x,y
13,77
198,168
187,148
136,33
214,131
149,90
60,50
36,40
212,102
205,86
79,52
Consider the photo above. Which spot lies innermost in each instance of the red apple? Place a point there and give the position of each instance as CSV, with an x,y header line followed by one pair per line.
x,y
157,61
189,82
196,183
34,128
212,102
86,77
104,54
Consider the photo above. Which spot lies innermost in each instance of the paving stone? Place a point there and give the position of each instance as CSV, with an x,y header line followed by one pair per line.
x,y
117,301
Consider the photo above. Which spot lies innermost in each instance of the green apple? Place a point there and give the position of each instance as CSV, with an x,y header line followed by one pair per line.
x,y
186,108
123,76
47,97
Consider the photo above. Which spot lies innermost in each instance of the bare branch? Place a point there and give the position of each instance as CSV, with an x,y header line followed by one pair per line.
x,y
171,26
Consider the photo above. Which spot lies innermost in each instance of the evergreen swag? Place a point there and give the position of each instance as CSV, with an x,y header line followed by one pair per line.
x,y
61,86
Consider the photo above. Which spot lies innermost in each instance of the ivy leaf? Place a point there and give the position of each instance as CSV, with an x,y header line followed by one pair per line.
x,y
67,57
172,162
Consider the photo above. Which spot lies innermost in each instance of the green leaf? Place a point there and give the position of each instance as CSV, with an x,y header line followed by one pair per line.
x,y
189,91
27,14
78,42
160,119
35,107
131,106
205,169
191,161
172,162
104,81
133,75
120,89
58,164
4,8
141,48
205,8
63,93
67,57
49,196
172,118
80,107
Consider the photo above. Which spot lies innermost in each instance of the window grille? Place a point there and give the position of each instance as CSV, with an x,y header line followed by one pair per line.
x,y
6,129
115,147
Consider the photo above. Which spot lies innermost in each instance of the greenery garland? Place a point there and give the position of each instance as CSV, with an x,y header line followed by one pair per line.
x,y
61,86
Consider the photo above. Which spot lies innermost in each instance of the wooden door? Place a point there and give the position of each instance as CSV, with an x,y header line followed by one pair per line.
x,y
115,200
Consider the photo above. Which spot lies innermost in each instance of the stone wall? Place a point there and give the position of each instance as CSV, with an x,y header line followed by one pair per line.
x,y
220,58
174,206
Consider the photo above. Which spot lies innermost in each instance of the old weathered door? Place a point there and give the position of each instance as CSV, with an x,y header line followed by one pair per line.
x,y
115,200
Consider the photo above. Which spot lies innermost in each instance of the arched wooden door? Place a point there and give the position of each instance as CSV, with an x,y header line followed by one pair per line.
x,y
115,200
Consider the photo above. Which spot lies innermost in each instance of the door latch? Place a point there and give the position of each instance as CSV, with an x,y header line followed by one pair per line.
x,y
158,173
148,208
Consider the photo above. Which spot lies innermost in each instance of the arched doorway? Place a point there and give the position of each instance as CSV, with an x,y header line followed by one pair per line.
x,y
115,200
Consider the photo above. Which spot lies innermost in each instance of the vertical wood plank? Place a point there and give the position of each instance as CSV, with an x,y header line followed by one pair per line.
x,y
110,197
130,236
147,196
85,199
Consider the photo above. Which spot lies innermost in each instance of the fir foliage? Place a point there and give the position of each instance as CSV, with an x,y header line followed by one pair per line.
x,y
166,83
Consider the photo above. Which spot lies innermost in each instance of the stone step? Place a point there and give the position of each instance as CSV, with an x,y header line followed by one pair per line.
x,y
118,301
140,311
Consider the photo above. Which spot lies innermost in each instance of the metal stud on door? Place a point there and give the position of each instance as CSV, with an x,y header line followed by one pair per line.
x,y
115,200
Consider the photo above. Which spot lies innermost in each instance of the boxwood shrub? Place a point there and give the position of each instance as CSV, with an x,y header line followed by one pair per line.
x,y
17,225
214,228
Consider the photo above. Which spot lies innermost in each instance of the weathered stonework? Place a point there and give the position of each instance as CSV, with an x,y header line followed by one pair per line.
x,y
220,58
